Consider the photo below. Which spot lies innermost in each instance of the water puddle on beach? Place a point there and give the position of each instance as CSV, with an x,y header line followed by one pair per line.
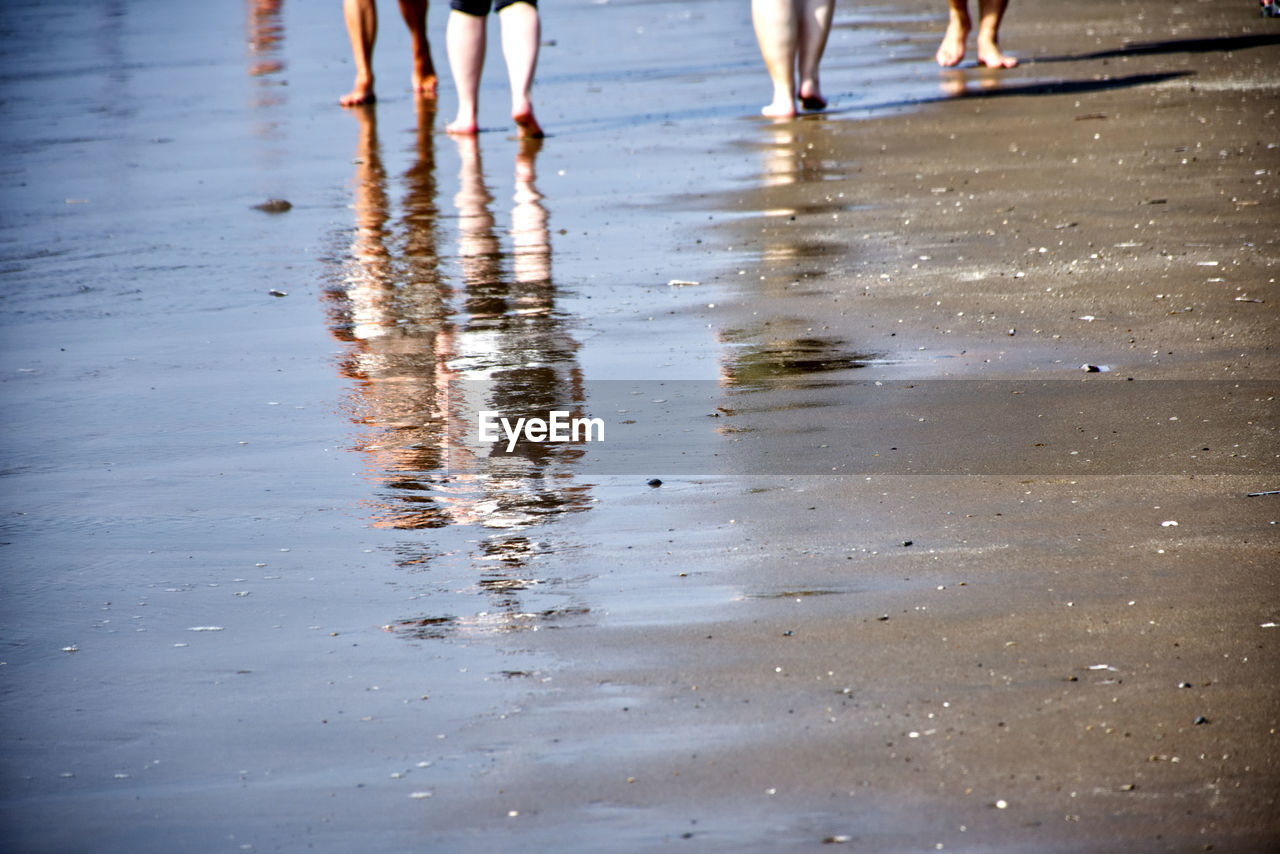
x,y
249,333
518,277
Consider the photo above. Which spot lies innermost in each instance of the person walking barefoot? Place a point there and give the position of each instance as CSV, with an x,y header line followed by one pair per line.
x,y
792,36
465,39
990,13
361,17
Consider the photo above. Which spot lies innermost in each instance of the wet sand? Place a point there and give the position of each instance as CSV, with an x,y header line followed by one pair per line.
x,y
916,583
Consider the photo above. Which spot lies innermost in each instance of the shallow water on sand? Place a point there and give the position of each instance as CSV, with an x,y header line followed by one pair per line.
x,y
237,577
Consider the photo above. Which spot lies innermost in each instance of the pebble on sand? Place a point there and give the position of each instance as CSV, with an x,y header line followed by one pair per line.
x,y
274,206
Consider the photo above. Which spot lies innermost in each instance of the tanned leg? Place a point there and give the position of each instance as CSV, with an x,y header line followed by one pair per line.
x,y
414,13
361,17
990,13
951,51
521,32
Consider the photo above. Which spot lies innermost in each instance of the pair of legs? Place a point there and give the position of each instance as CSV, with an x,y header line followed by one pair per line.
x,y
361,17
792,36
465,38
990,13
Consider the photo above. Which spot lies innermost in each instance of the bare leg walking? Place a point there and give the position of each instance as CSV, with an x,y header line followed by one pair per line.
x,y
792,35
990,14
424,77
465,39
521,32
361,17
815,26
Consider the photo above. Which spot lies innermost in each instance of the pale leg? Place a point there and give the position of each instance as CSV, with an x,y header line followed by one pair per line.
x,y
815,26
465,42
777,31
361,17
414,13
521,33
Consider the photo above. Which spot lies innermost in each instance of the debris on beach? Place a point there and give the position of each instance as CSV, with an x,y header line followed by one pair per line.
x,y
276,293
274,206
682,283
655,482
1095,369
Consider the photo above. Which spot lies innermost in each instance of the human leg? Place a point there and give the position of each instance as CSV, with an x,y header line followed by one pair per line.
x,y
777,32
521,32
465,42
414,13
990,13
361,17
814,27
951,51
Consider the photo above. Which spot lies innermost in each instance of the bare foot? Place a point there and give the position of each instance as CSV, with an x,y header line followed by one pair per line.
x,y
951,51
811,97
462,127
779,109
361,93
990,56
425,86
528,125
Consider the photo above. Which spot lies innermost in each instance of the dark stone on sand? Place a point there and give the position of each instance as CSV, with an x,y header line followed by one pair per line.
x,y
654,482
274,206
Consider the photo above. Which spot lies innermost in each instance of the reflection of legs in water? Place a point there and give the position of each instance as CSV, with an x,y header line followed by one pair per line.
x,y
465,38
792,36
361,17
530,241
990,14
369,284
478,248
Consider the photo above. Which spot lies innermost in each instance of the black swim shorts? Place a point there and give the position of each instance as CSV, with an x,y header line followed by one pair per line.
x,y
481,7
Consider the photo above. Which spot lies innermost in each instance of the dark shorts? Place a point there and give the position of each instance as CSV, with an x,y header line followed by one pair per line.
x,y
481,7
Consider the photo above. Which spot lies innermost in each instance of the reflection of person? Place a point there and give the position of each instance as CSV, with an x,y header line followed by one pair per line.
x,y
465,40
362,27
792,35
433,335
266,32
990,13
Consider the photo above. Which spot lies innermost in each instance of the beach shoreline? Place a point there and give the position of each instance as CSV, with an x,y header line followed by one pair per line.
x,y
249,605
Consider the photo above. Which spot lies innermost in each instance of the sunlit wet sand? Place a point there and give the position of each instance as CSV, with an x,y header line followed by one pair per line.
x,y
923,515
